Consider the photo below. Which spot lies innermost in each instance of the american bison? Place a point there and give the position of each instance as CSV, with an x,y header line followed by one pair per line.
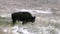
x,y
22,16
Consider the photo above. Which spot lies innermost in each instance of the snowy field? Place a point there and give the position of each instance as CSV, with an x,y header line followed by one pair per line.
x,y
45,23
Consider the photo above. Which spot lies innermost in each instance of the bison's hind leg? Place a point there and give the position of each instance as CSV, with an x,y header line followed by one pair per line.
x,y
14,21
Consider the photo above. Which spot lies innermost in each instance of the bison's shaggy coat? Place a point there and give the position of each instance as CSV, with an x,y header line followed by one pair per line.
x,y
22,16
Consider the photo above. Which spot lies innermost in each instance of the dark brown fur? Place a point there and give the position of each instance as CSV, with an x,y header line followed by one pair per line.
x,y
22,16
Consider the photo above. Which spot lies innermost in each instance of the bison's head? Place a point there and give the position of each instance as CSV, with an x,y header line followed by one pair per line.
x,y
33,19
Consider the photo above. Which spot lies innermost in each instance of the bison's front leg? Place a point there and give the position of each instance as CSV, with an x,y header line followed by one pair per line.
x,y
24,22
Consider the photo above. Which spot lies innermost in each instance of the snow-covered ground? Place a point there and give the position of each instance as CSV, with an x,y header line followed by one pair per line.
x,y
33,30
40,26
33,12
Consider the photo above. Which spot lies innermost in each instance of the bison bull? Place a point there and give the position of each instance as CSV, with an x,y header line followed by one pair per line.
x,y
22,16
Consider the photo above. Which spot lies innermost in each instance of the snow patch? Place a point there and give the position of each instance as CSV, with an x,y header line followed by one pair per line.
x,y
4,30
6,15
42,30
24,31
29,10
33,12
